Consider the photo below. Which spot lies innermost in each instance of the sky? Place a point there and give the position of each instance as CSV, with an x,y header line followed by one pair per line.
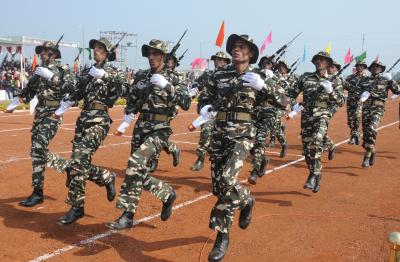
x,y
342,23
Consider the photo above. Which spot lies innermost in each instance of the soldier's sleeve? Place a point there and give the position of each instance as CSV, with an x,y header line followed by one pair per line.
x,y
275,93
337,94
394,87
133,96
208,95
67,85
181,97
201,81
295,90
346,85
116,80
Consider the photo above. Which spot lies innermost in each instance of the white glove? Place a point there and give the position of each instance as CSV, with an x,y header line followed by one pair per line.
x,y
32,104
253,80
387,76
193,92
97,73
44,72
364,96
269,73
328,88
394,97
206,113
297,108
65,105
129,118
14,103
159,80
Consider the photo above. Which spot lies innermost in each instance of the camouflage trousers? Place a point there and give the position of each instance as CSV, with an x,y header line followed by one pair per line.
x,y
328,142
371,117
353,115
228,153
43,130
147,142
279,127
205,138
167,146
89,136
313,130
264,127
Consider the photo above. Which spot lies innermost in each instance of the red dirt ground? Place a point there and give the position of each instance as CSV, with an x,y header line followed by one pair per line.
x,y
348,220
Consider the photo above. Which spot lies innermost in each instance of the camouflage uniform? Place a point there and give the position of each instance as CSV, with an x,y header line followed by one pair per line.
x,y
373,108
351,85
315,117
232,138
49,94
152,131
91,129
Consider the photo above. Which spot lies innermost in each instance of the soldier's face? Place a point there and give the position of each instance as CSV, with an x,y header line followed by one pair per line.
x,y
332,70
100,53
376,70
359,69
170,63
283,69
241,52
45,55
219,62
321,63
156,58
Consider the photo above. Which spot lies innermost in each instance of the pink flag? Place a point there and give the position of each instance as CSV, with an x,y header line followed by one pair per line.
x,y
267,41
377,58
199,63
348,57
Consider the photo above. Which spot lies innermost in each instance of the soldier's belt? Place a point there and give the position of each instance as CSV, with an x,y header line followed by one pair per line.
x,y
154,117
374,102
96,106
234,116
52,103
317,104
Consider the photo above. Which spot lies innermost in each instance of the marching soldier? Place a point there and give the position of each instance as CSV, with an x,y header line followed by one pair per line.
x,y
232,94
154,95
352,86
375,87
319,91
328,142
99,87
220,61
49,84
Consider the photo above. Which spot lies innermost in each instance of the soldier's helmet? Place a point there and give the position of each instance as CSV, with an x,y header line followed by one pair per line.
x,y
378,63
106,44
337,65
322,54
362,63
49,45
234,37
221,55
285,63
266,59
155,44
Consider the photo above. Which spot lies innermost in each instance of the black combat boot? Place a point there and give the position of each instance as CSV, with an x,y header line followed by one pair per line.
x,y
111,189
331,153
35,198
253,177
317,185
73,214
372,158
176,157
123,222
283,151
220,246
245,213
199,164
153,165
310,183
264,163
167,207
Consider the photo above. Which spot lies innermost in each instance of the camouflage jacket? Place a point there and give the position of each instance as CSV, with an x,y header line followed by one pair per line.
x,y
286,82
226,92
352,86
315,100
145,97
379,87
200,83
55,89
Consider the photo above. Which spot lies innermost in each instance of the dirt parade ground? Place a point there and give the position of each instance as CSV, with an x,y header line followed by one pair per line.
x,y
348,220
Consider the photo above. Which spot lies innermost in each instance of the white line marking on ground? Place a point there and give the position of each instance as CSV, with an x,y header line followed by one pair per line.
x,y
147,218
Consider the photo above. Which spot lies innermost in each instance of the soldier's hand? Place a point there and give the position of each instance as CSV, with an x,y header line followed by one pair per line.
x,y
387,76
327,85
97,73
364,96
159,80
44,72
394,97
253,80
129,117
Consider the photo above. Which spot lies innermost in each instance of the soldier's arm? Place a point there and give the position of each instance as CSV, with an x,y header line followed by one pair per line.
x,y
337,95
182,97
133,96
296,89
201,81
394,87
276,94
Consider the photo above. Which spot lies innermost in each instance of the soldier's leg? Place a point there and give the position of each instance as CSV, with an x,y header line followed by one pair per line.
x,y
204,143
280,134
371,118
43,131
260,160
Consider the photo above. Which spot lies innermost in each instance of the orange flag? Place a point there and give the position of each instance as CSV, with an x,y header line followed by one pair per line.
x,y
221,34
34,62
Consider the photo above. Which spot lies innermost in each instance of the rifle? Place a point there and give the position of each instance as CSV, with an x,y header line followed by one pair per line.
x,y
282,50
181,57
390,69
294,63
177,45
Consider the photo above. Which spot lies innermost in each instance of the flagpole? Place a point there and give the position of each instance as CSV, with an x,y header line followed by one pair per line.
x,y
363,42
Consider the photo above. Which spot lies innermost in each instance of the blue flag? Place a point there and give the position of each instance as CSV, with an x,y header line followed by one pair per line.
x,y
303,59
